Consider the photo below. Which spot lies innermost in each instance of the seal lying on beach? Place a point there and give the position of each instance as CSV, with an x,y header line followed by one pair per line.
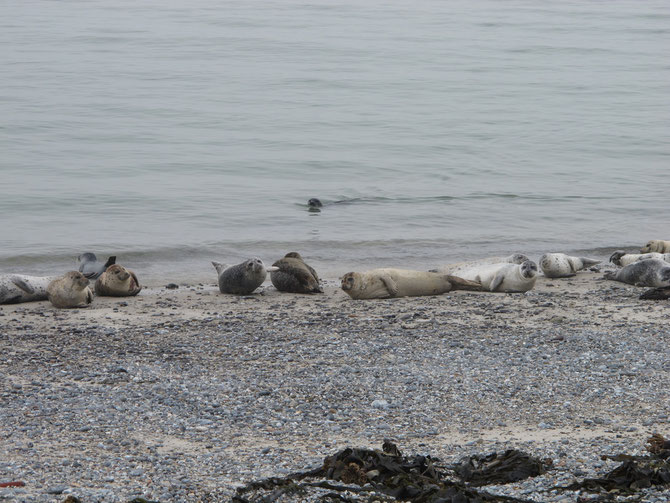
x,y
622,259
650,272
117,281
70,291
15,288
456,268
294,275
505,277
244,278
90,267
656,245
560,265
386,283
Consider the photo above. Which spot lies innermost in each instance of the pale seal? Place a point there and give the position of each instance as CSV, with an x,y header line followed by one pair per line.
x,y
387,283
15,288
650,272
70,291
504,277
657,246
456,268
560,265
90,267
117,281
242,279
294,275
622,259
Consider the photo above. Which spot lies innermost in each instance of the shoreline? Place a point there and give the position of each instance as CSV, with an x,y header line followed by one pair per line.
x,y
185,394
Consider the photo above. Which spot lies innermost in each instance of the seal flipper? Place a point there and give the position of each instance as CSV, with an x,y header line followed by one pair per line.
x,y
23,285
615,258
588,262
497,281
220,267
390,285
463,284
110,261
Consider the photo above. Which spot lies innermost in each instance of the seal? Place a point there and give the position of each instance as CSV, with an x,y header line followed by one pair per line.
x,y
656,245
242,279
389,283
560,265
505,277
15,288
622,259
458,267
117,281
314,204
71,290
651,272
294,275
90,267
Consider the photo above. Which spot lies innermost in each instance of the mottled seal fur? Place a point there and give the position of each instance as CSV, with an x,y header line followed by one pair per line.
x,y
294,275
90,267
386,283
241,279
657,246
651,272
456,268
70,291
622,259
504,277
15,288
560,265
117,281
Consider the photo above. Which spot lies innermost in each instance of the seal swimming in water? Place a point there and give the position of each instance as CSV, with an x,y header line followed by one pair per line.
x,y
650,272
387,283
506,277
294,275
456,268
15,288
622,259
70,291
242,279
117,281
560,265
90,267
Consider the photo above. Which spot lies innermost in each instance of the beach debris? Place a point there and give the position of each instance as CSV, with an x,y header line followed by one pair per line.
x,y
172,286
656,294
359,474
14,483
659,446
500,468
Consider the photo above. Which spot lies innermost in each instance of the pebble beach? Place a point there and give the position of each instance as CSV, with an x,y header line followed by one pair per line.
x,y
186,394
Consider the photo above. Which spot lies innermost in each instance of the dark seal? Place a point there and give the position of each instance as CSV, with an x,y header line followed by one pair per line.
x,y
294,275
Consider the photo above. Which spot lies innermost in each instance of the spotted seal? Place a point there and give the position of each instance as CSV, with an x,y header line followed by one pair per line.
x,y
90,267
503,277
622,259
651,272
242,279
657,246
387,283
560,265
15,288
294,275
117,281
69,291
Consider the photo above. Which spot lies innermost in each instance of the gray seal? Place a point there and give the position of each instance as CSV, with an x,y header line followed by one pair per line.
x,y
15,288
294,275
70,291
651,272
90,267
242,279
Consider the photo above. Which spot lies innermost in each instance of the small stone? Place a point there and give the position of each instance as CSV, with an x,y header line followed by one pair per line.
x,y
380,404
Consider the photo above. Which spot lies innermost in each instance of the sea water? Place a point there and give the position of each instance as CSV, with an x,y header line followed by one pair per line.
x,y
173,133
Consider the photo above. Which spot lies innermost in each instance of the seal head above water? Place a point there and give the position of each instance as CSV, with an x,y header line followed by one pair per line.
x,y
117,281
70,291
242,279
294,275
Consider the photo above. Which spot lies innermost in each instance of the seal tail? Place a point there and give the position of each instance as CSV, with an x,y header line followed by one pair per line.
x,y
588,262
463,284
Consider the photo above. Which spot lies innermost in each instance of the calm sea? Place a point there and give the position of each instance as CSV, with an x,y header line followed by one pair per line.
x,y
171,133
